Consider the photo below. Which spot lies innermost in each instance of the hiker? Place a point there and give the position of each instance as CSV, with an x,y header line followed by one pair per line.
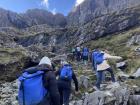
x,y
85,55
78,53
38,85
73,53
101,65
66,74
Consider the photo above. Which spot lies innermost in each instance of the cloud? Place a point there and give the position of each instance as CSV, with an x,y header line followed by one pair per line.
x,y
78,2
45,3
54,11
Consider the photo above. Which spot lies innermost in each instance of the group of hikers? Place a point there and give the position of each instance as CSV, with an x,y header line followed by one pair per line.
x,y
79,54
39,85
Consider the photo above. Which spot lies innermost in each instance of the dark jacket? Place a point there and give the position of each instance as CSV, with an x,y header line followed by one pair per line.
x,y
67,83
50,84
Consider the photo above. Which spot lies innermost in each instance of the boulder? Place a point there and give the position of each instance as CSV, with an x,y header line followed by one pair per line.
x,y
137,73
134,100
84,82
135,40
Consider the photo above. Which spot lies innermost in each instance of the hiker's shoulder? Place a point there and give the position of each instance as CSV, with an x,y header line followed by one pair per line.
x,y
49,74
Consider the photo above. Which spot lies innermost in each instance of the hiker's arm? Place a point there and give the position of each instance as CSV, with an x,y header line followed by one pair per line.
x,y
53,89
108,56
75,81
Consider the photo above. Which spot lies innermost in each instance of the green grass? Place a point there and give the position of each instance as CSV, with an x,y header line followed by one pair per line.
x,y
10,54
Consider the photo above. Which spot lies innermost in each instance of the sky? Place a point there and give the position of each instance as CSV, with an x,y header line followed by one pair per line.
x,y
54,6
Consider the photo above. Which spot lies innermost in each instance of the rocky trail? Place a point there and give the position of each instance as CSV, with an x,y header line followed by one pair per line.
x,y
120,93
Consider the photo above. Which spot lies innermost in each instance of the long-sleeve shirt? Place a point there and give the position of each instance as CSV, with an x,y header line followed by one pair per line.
x,y
104,65
51,85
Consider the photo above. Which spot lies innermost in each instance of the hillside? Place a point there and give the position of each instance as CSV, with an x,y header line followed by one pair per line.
x,y
112,25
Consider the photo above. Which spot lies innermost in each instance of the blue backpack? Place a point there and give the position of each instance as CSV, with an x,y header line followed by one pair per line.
x,y
66,72
85,52
98,57
31,88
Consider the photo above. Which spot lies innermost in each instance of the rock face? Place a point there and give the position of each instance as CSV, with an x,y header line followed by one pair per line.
x,y
91,9
107,24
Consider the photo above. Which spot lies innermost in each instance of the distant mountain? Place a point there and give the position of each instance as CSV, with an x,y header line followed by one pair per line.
x,y
11,19
40,16
30,18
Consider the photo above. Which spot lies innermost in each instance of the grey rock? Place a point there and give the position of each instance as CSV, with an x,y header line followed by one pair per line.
x,y
134,40
8,93
134,100
84,81
137,49
137,73
120,64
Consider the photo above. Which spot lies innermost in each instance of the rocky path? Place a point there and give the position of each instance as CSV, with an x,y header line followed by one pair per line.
x,y
121,93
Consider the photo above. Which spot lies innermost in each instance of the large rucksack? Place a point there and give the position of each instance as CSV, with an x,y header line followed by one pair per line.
x,y
66,72
31,88
85,52
98,57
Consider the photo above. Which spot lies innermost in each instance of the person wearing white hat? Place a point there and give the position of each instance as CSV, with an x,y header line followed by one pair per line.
x,y
38,81
50,82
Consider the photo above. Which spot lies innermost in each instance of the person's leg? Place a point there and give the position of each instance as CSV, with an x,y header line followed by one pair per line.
x,y
45,101
80,56
61,96
85,62
66,97
112,74
103,76
99,79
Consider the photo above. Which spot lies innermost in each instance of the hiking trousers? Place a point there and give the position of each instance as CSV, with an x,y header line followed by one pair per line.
x,y
64,91
78,56
45,101
100,77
